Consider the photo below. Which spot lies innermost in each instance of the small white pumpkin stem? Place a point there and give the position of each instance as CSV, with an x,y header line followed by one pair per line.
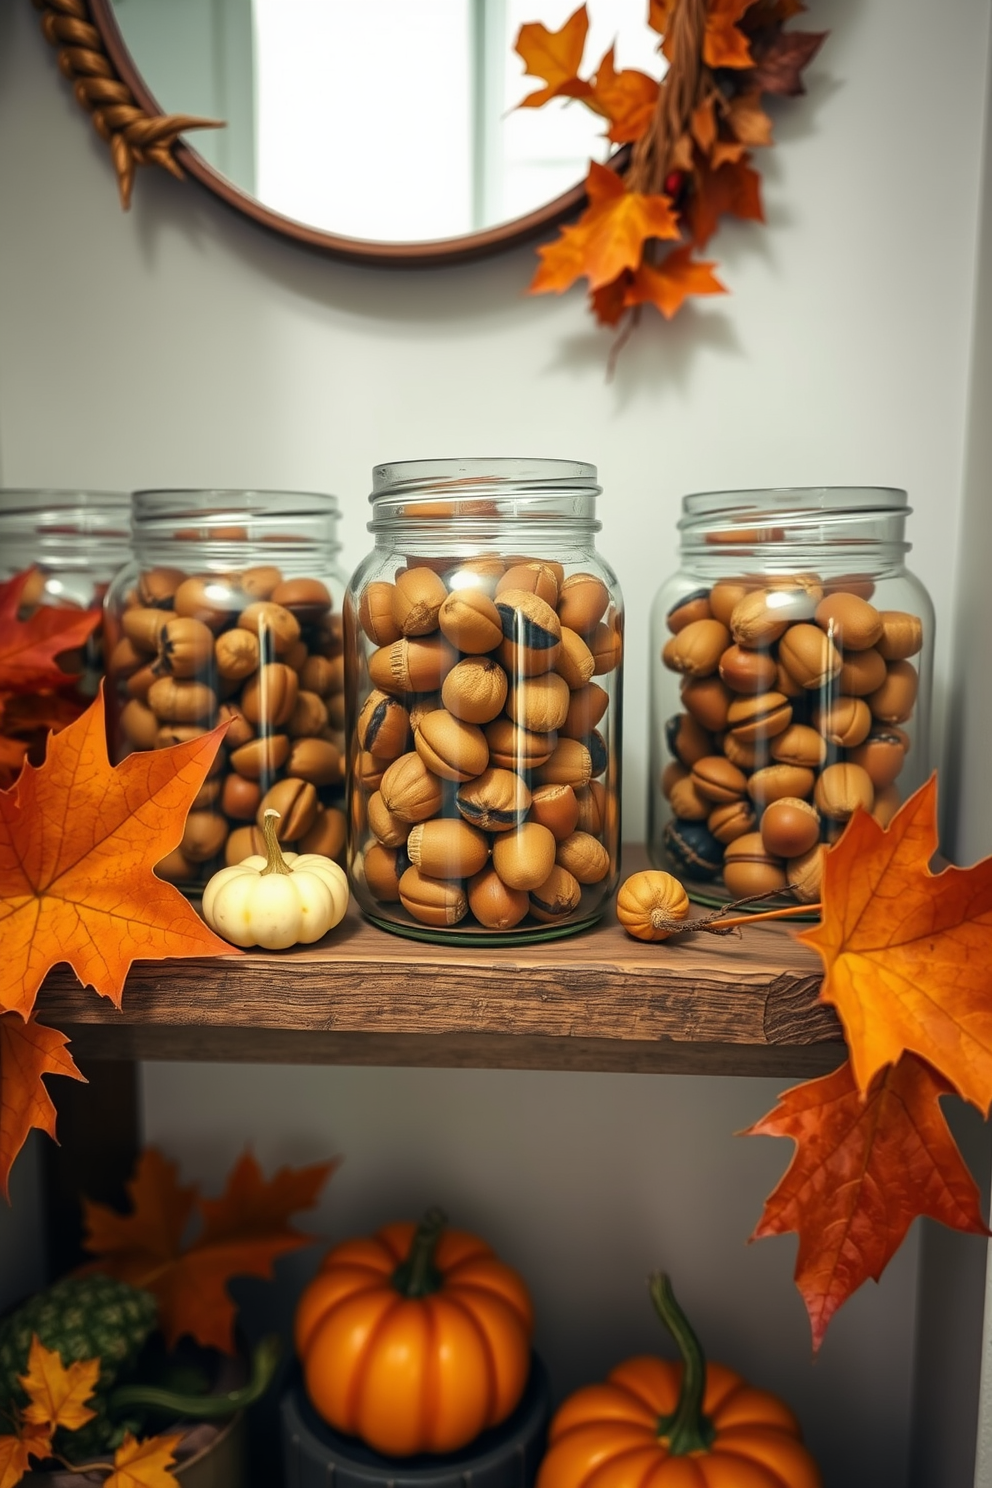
x,y
276,862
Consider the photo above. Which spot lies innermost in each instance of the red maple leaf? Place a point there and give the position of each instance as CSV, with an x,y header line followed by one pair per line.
x,y
863,1169
28,648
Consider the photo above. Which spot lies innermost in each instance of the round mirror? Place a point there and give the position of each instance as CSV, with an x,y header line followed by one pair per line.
x,y
375,128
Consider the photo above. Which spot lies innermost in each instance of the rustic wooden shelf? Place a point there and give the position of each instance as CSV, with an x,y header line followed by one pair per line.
x,y
597,1001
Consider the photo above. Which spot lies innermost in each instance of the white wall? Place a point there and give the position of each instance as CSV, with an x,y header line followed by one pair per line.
x,y
179,344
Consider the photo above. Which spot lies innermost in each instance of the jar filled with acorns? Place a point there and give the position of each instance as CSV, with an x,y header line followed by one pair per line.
x,y
230,611
484,649
791,680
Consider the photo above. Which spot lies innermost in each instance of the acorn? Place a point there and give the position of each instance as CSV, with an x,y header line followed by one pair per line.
x,y
790,827
540,703
697,649
204,836
316,760
327,834
693,847
694,606
805,874
584,856
309,715
809,656
382,867
143,628
236,652
383,726
244,842
841,789
894,701
269,697
157,586
391,830
433,901
524,857
417,597
533,576
318,674
863,672
409,789
850,621
592,803
708,700
531,631
470,621
606,646
475,689
845,722
688,801
496,801
747,671
586,708
375,613
308,599
902,635
259,581
557,808
450,748
296,802
775,781
277,629
582,602
240,798
515,748
447,848
749,868
417,665
570,763
139,724
186,647
494,904
557,897
174,700
261,757
727,823
576,662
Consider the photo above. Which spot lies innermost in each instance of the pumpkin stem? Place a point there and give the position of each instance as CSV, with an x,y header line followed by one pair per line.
x,y
686,1429
276,862
418,1275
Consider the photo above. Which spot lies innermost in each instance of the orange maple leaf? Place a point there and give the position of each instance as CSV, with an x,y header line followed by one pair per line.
x,y
57,1395
668,284
555,56
78,842
907,952
608,238
733,188
144,1464
627,98
14,1460
660,15
243,1233
28,648
863,1169
723,44
27,1052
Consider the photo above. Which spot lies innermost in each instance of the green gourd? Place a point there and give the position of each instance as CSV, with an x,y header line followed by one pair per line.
x,y
83,1317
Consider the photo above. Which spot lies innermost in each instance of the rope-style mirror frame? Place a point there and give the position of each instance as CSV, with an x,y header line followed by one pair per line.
x,y
93,57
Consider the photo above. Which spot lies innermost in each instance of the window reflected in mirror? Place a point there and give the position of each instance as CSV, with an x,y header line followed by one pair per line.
x,y
389,120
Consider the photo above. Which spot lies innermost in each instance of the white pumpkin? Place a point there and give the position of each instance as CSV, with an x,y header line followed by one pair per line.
x,y
277,901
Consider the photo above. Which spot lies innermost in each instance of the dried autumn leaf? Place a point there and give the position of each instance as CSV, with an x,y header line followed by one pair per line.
x,y
627,98
27,1052
748,120
703,125
907,952
734,188
778,67
863,1169
57,1396
554,56
144,1464
78,842
28,648
243,1233
660,15
14,1461
668,285
608,238
723,44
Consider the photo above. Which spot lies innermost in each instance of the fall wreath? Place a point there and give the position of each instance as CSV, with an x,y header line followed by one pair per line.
x,y
689,138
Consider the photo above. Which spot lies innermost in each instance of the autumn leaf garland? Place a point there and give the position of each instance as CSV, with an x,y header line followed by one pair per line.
x,y
690,136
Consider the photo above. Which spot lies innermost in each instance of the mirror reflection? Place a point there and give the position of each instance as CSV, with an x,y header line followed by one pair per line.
x,y
391,120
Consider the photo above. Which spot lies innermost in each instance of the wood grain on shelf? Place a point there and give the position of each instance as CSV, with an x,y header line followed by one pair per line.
x,y
730,1005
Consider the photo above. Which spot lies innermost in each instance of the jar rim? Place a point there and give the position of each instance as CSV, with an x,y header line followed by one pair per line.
x,y
776,499
39,500
470,474
154,502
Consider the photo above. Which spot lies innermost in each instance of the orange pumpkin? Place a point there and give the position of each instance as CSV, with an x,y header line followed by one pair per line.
x,y
655,1424
414,1339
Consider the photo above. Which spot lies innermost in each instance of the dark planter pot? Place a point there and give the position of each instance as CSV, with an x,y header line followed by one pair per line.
x,y
507,1456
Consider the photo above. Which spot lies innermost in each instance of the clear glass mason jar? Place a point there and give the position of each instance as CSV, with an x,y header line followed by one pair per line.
x,y
791,677
483,661
230,610
71,543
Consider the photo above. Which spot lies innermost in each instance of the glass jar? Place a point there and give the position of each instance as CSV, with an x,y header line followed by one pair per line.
x,y
483,649
71,543
229,611
791,677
